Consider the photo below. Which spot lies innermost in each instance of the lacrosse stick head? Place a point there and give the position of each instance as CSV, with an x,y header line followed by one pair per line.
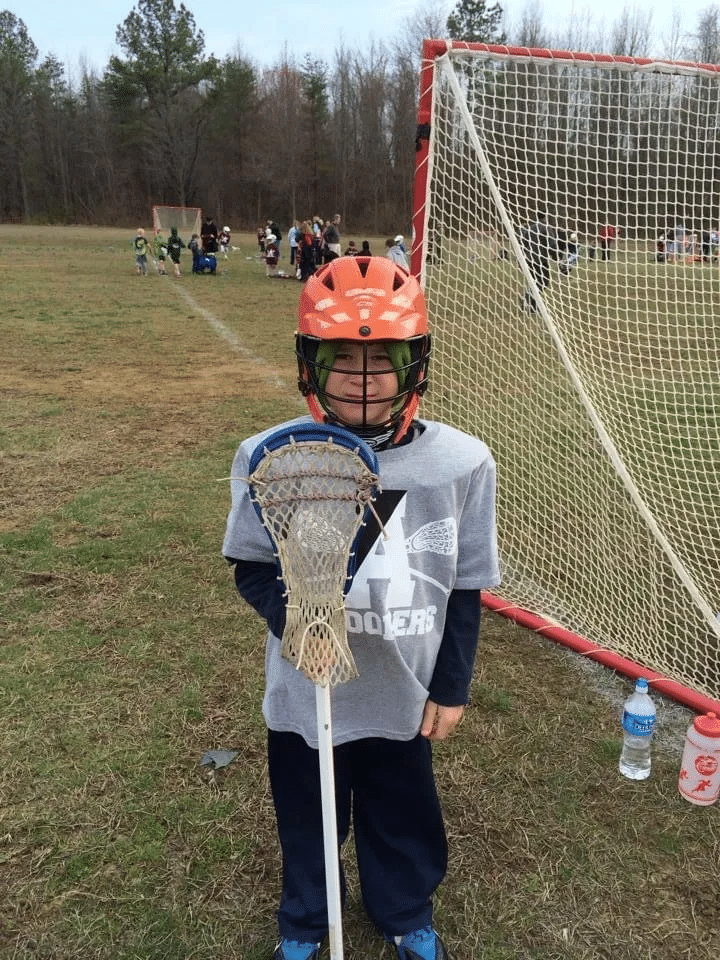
x,y
365,300
312,486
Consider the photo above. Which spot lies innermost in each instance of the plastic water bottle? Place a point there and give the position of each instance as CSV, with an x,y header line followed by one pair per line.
x,y
699,780
639,725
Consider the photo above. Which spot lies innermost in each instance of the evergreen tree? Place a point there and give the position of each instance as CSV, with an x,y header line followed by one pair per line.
x,y
158,94
316,113
475,22
18,56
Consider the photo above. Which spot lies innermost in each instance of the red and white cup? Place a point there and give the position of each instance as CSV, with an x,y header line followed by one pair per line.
x,y
700,768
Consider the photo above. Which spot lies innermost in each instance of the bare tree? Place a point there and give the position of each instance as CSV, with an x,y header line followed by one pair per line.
x,y
428,22
704,44
279,142
96,184
631,33
673,40
231,152
530,30
53,115
581,33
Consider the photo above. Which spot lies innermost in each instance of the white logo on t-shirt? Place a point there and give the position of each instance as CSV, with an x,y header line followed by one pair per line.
x,y
385,573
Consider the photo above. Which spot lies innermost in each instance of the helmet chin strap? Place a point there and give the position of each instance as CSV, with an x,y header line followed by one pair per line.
x,y
377,438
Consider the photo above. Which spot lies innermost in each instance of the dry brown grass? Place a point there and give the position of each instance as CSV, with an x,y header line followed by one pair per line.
x,y
124,656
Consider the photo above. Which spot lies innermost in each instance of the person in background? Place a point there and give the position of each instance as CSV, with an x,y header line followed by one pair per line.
x,y
272,255
306,252
396,253
224,241
292,238
273,227
195,248
571,245
160,251
209,235
332,238
174,245
140,249
539,244
352,250
606,238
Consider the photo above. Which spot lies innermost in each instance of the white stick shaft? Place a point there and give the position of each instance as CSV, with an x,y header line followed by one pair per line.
x,y
329,816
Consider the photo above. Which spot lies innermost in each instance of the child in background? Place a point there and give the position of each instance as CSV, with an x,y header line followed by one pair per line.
x,y
195,248
174,246
306,252
396,253
140,248
202,262
224,241
272,255
413,614
160,250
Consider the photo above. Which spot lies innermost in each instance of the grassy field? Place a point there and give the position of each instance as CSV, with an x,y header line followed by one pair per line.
x,y
125,655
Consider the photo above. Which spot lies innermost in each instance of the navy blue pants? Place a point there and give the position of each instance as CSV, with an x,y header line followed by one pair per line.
x,y
387,789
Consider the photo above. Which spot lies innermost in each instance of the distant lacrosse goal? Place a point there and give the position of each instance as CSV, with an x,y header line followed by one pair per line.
x,y
187,220
567,209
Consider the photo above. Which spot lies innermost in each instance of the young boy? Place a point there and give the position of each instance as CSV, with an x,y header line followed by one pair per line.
x,y
160,250
272,255
396,253
195,248
224,241
413,614
174,247
140,249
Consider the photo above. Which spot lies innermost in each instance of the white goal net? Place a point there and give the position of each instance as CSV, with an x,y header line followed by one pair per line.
x,y
188,220
567,209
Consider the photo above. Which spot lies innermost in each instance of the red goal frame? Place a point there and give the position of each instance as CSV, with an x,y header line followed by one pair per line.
x,y
432,49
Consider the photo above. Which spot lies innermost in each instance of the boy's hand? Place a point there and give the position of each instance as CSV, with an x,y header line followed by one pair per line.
x,y
438,722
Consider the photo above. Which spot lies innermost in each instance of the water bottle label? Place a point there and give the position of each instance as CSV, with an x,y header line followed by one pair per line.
x,y
638,726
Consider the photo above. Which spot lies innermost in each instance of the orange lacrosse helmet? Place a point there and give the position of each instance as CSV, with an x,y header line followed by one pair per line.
x,y
365,300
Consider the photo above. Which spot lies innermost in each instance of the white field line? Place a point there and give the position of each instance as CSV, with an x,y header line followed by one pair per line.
x,y
226,334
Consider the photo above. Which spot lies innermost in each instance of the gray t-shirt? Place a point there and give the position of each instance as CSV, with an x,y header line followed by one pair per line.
x,y
437,507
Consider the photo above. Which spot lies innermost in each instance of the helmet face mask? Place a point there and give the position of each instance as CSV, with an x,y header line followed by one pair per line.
x,y
368,303
407,360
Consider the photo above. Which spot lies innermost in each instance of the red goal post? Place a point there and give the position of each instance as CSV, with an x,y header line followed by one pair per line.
x,y
565,230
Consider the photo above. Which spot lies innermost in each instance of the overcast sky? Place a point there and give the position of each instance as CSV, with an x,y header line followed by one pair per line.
x,y
75,30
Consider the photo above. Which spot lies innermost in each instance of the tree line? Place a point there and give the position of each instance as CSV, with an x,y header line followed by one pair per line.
x,y
167,123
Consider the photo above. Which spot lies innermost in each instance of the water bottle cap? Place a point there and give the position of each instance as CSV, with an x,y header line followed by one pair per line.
x,y
708,725
641,685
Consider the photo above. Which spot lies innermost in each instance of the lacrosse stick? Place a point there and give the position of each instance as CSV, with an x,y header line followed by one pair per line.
x,y
312,486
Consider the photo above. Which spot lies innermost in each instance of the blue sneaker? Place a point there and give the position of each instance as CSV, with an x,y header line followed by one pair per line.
x,y
423,944
295,950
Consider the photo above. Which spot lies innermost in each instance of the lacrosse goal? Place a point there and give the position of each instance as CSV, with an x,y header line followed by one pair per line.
x,y
568,339
188,220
